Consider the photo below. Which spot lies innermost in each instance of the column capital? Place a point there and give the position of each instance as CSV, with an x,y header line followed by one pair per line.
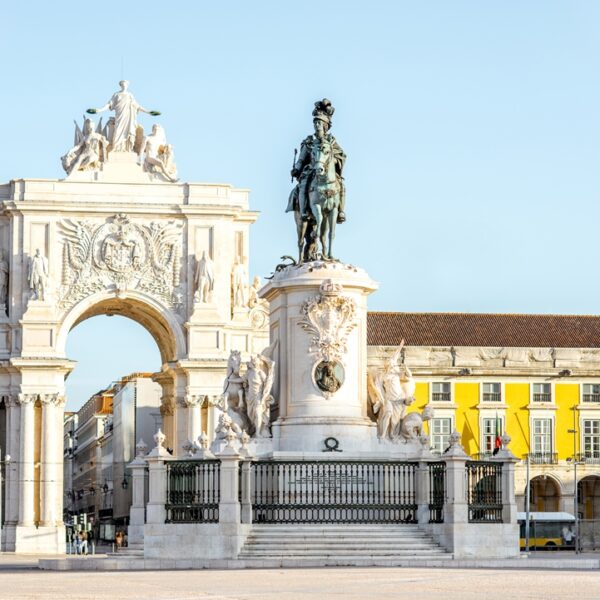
x,y
52,399
166,409
193,400
10,400
27,398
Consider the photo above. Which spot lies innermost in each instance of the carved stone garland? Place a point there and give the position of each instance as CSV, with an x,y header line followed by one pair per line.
x,y
329,318
120,254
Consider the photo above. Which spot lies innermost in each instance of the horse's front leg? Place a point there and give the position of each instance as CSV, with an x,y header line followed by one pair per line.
x,y
333,215
316,233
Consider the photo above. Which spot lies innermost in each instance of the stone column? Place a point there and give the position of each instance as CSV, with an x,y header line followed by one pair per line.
x,y
13,427
137,512
156,512
51,460
194,415
27,471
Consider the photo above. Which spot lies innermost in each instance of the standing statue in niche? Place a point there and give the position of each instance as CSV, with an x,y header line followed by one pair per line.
x,y
90,149
37,275
318,199
126,109
204,279
240,278
391,391
3,281
234,401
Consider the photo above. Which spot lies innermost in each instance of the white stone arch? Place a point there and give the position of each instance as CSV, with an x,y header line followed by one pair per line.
x,y
158,320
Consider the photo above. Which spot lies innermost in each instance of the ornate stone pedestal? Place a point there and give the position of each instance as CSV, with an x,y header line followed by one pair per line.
x,y
318,314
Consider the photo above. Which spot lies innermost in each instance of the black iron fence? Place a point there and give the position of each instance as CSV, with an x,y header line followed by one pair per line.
x,y
437,491
484,491
193,491
333,492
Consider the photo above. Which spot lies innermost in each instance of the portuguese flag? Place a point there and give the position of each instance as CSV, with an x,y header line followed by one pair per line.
x,y
498,439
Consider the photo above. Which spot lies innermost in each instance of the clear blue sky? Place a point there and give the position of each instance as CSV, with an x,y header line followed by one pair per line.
x,y
472,131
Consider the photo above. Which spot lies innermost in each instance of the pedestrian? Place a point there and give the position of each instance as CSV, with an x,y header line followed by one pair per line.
x,y
84,542
119,539
77,542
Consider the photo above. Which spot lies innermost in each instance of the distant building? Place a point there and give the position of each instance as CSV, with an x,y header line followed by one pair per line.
x,y
535,377
101,439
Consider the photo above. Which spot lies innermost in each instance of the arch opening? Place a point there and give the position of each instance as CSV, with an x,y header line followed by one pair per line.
x,y
544,494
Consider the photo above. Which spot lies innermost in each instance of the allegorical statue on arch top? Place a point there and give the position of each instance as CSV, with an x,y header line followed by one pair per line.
x,y
94,144
318,199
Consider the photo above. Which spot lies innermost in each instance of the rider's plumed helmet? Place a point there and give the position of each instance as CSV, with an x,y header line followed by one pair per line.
x,y
323,111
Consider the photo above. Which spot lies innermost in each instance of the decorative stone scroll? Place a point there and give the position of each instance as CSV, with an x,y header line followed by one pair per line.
x,y
329,318
120,254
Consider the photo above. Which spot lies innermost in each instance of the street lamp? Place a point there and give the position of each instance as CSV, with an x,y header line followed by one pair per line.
x,y
575,495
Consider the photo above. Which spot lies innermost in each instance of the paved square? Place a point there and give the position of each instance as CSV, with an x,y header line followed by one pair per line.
x,y
18,582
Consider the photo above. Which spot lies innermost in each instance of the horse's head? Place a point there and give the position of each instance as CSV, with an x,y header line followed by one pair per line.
x,y
322,157
234,362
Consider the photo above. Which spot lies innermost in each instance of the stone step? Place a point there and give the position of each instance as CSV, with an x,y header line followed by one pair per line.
x,y
340,543
339,554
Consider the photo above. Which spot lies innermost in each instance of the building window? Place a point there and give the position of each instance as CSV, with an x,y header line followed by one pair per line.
x,y
491,428
542,437
492,392
591,438
542,392
440,392
591,392
440,429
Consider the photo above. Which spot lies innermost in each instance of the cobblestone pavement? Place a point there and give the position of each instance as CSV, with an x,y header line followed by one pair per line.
x,y
18,580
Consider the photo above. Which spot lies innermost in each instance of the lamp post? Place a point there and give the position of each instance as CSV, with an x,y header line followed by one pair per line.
x,y
575,495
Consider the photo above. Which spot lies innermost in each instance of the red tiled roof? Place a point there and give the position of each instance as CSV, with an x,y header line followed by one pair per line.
x,y
468,329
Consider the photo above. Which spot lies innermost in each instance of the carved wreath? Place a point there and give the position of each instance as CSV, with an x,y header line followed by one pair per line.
x,y
329,318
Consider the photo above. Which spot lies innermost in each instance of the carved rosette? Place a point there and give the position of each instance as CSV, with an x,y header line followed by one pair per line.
x,y
328,318
119,255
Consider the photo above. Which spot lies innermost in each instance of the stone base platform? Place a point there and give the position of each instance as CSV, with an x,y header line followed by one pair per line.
x,y
100,563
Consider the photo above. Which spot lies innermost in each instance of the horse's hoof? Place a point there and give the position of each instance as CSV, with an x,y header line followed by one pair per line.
x,y
340,218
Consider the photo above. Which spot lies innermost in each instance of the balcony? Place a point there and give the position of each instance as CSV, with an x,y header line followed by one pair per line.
x,y
589,458
492,397
591,398
542,397
543,458
440,397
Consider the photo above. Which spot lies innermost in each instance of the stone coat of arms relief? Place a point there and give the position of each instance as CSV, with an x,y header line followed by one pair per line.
x,y
119,255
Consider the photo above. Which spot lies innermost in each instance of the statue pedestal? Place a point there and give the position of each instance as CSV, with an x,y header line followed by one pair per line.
x,y
318,314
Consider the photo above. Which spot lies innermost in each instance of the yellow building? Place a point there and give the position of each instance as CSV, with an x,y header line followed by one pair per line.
x,y
535,377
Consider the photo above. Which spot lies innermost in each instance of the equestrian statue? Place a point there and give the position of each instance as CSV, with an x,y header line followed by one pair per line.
x,y
318,198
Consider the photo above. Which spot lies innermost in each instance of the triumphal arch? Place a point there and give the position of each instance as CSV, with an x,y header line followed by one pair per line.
x,y
119,235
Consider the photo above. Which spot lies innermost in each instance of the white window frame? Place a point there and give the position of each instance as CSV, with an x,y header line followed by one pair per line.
x,y
589,403
482,399
450,385
489,415
532,393
533,434
595,451
445,417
